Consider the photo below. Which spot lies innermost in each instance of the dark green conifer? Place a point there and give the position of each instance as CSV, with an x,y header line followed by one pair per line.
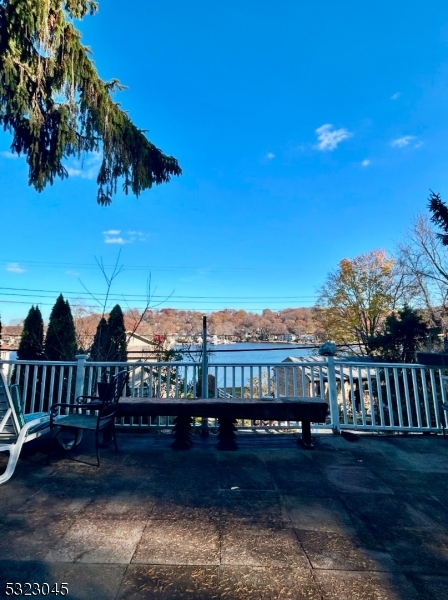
x,y
32,338
30,349
101,342
117,332
60,341
55,104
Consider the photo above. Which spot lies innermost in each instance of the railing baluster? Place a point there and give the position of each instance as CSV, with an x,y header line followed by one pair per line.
x,y
401,397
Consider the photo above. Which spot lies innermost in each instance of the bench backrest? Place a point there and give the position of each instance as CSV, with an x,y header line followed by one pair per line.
x,y
11,416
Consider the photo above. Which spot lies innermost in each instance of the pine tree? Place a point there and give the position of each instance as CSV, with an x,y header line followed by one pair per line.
x,y
60,341
55,104
439,215
32,337
117,332
30,349
101,342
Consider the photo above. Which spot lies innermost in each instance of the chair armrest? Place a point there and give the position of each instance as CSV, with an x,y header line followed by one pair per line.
x,y
88,397
55,409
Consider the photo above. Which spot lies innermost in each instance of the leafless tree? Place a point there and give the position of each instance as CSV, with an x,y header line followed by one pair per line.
x,y
424,261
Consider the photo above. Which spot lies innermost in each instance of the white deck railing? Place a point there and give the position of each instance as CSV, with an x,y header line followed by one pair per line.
x,y
361,396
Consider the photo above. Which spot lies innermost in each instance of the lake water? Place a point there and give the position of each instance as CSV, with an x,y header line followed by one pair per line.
x,y
249,354
254,353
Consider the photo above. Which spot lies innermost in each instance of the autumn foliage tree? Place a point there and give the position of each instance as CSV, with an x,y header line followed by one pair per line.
x,y
55,105
356,298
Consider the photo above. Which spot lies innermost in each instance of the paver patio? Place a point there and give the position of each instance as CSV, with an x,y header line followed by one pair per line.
x,y
350,520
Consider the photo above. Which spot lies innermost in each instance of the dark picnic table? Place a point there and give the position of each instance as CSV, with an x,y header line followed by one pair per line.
x,y
226,410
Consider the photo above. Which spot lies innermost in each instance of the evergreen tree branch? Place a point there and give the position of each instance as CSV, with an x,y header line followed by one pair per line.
x,y
55,105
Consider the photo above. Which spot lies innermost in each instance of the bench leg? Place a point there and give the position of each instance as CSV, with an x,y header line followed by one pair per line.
x,y
306,436
226,434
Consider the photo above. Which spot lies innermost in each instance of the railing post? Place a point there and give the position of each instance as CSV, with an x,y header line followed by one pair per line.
x,y
333,395
328,350
204,387
80,373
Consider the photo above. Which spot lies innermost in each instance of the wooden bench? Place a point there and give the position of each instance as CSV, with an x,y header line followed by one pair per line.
x,y
305,410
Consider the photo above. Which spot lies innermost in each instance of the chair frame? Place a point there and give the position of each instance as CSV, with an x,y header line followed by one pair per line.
x,y
91,413
26,427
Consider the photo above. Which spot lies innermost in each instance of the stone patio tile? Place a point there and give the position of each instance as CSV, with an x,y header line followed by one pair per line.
x,y
330,550
185,505
431,587
179,542
244,506
304,479
119,505
387,512
159,582
316,514
187,479
355,480
332,457
352,585
27,536
416,551
245,477
260,544
267,583
413,483
56,498
98,541
419,461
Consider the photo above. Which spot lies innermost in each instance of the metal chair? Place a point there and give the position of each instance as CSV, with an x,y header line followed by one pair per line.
x,y
89,413
17,428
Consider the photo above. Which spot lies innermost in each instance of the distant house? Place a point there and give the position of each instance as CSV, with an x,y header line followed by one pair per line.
x,y
6,352
140,347
145,347
286,337
307,376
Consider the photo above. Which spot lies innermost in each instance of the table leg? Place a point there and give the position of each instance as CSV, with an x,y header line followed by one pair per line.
x,y
306,436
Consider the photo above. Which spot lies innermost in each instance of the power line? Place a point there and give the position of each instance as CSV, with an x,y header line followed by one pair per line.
x,y
149,268
158,296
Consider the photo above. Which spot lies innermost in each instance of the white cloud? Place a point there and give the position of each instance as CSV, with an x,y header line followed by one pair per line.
x,y
10,155
365,162
402,141
270,155
14,268
115,240
112,236
329,138
89,174
418,144
138,236
72,273
86,169
395,96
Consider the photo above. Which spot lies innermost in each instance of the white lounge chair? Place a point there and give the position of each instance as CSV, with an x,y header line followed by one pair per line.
x,y
15,427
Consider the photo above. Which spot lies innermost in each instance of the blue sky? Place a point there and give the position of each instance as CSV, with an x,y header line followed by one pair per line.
x,y
307,132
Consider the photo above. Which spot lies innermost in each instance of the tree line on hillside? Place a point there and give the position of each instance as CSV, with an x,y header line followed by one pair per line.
x,y
236,324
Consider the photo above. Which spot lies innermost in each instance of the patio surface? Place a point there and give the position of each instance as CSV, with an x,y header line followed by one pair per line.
x,y
350,520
